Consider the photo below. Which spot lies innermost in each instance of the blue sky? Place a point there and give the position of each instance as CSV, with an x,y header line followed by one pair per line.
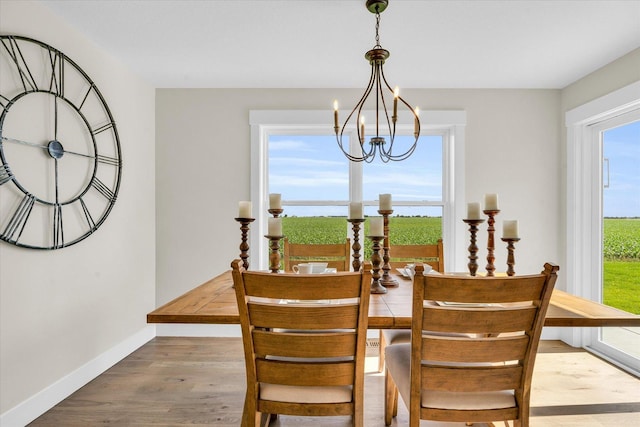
x,y
311,167
622,147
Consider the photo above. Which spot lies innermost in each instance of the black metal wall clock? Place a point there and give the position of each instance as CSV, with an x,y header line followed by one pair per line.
x,y
59,147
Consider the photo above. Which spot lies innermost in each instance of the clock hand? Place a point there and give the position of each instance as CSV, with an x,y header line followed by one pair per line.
x,y
46,147
32,144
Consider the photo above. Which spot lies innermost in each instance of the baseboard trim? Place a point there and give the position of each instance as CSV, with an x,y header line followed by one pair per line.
x,y
41,402
197,330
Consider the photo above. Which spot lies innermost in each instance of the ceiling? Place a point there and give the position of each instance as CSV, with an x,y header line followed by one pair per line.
x,y
321,43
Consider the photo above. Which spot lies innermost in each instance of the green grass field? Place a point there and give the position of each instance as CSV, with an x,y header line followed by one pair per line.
x,y
621,247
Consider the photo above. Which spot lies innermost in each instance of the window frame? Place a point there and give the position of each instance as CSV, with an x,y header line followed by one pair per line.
x,y
450,124
584,197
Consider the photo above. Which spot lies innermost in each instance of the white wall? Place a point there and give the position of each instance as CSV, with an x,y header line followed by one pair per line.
x,y
66,311
203,169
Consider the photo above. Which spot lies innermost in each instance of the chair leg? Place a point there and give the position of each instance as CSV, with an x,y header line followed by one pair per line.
x,y
381,345
391,399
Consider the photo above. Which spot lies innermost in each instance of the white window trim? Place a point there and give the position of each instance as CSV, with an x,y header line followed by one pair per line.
x,y
584,205
451,122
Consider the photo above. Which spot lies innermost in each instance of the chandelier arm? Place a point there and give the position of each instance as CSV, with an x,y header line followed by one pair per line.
x,y
392,130
364,153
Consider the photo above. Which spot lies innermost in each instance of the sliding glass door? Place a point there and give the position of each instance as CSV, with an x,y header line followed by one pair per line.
x,y
619,287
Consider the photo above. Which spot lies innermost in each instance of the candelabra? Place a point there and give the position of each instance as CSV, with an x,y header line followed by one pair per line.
x,y
473,247
274,256
244,246
491,213
386,280
355,224
376,287
510,256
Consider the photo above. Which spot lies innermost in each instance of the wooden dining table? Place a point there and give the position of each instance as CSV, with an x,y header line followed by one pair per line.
x,y
214,302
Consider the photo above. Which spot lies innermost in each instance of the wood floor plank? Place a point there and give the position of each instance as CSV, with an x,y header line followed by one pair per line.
x,y
176,381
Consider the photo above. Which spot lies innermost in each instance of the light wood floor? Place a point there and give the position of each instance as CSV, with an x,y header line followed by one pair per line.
x,y
200,382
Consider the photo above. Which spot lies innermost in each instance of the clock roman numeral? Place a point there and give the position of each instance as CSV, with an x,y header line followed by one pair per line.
x,y
87,216
58,229
14,52
56,84
108,160
102,128
19,218
5,173
103,189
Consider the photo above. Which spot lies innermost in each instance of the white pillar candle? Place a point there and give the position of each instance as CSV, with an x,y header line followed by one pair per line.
x,y
376,226
385,202
275,201
275,226
355,210
510,229
473,210
244,210
491,202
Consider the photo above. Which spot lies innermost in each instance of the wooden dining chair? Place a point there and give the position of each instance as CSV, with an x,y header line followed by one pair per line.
x,y
304,342
336,255
401,255
473,348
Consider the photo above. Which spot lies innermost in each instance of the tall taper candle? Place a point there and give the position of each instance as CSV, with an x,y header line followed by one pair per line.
x,y
275,226
244,209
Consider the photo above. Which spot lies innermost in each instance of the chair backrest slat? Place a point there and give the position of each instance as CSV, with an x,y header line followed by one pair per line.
x,y
305,374
337,255
486,320
465,350
334,344
402,255
296,316
471,379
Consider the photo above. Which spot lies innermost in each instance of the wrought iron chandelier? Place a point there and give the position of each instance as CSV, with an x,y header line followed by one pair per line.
x,y
384,123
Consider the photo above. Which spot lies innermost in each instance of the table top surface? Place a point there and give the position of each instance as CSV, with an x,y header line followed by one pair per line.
x,y
214,302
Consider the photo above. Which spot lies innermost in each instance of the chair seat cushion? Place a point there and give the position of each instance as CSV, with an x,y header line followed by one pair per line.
x,y
287,393
398,359
396,336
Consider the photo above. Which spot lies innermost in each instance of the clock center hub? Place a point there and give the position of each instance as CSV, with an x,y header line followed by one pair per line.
x,y
55,149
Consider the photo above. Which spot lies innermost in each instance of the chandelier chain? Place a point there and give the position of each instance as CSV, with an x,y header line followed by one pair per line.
x,y
377,29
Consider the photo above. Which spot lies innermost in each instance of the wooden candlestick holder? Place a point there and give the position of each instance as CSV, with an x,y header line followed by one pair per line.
x,y
386,280
244,246
275,212
473,247
376,260
491,213
274,256
511,260
355,225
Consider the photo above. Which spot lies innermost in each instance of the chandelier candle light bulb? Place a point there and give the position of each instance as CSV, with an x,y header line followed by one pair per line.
x,y
244,209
